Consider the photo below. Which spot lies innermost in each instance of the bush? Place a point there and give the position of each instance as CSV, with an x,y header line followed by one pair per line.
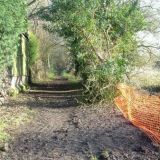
x,y
33,48
12,24
101,83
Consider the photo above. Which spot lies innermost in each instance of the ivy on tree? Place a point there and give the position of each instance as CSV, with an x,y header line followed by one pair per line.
x,y
12,23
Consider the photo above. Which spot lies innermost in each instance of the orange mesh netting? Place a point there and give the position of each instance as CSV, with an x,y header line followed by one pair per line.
x,y
142,109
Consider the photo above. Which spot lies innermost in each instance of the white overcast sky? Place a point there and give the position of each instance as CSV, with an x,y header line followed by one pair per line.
x,y
153,39
155,3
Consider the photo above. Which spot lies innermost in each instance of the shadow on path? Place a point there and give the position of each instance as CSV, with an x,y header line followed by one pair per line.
x,y
63,131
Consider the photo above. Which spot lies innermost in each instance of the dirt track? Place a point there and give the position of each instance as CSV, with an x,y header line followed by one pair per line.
x,y
64,130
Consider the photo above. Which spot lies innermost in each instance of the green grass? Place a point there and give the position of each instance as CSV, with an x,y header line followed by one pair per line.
x,y
3,134
71,77
11,119
93,157
51,75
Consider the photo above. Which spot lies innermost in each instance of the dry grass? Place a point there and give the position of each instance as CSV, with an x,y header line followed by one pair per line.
x,y
148,78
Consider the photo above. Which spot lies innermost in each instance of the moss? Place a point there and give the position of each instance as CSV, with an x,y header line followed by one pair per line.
x,y
23,87
14,92
17,90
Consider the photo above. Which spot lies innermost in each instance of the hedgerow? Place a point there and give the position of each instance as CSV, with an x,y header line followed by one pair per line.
x,y
12,23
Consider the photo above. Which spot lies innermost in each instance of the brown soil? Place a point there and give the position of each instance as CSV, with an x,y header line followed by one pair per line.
x,y
64,130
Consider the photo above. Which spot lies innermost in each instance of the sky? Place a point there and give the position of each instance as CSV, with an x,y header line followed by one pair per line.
x,y
155,3
150,38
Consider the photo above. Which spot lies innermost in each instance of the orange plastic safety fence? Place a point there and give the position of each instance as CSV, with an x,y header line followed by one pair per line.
x,y
142,109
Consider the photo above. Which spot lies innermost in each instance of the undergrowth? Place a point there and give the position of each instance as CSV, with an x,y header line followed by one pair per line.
x,y
101,83
71,77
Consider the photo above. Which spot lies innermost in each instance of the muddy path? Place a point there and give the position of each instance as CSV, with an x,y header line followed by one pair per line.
x,y
64,130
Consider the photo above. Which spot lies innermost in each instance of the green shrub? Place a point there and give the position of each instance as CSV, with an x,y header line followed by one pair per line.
x,y
33,48
51,75
101,82
12,24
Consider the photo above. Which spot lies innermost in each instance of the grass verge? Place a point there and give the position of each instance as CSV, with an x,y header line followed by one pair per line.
x,y
10,119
